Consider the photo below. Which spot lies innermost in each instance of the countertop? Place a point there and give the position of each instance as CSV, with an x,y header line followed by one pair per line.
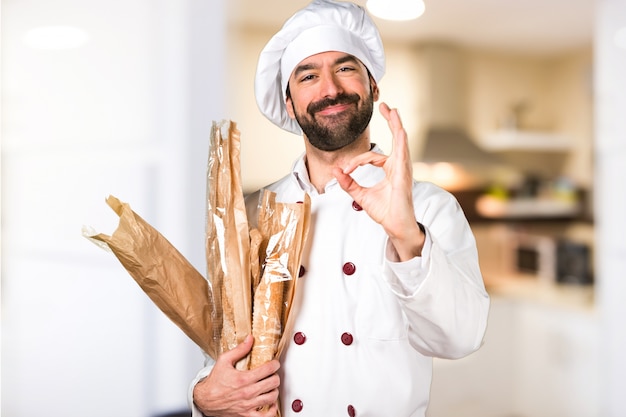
x,y
532,289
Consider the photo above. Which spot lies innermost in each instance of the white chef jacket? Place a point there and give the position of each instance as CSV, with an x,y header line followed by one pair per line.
x,y
367,327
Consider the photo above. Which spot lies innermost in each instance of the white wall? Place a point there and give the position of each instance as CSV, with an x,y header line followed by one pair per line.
x,y
610,169
128,114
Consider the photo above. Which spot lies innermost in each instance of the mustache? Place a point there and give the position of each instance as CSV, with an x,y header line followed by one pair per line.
x,y
327,102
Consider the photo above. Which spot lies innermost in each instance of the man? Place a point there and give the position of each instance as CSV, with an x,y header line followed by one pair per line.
x,y
390,271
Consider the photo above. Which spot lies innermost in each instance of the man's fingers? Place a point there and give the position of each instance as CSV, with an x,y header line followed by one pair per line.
x,y
264,401
391,115
266,374
393,119
238,392
238,352
345,180
400,137
371,158
384,110
267,411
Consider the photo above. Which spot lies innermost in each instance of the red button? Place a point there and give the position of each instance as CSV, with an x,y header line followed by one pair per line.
x,y
299,338
356,206
346,339
349,268
351,411
301,272
296,406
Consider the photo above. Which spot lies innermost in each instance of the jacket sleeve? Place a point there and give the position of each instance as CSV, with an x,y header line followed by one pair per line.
x,y
203,373
442,293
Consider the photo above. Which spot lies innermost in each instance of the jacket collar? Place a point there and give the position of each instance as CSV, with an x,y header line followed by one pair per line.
x,y
365,175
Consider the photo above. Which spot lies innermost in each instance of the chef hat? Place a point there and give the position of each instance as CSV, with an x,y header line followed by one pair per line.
x,y
323,25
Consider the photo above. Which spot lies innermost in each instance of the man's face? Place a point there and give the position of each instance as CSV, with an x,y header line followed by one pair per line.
x,y
332,98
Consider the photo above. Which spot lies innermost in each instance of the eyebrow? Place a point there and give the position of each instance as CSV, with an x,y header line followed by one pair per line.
x,y
341,60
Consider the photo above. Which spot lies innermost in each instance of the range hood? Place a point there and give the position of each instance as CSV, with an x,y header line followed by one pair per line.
x,y
453,145
443,103
442,85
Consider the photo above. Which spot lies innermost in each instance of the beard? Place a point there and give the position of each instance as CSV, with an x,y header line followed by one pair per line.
x,y
339,130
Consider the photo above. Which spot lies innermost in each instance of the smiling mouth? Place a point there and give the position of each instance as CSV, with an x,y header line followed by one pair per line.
x,y
332,106
333,109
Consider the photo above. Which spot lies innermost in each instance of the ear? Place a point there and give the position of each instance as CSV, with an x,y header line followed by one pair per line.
x,y
289,107
374,88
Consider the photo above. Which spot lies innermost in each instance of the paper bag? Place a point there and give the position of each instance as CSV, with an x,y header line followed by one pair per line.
x,y
164,274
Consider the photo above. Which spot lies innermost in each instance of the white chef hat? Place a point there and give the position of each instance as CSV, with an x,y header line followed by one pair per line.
x,y
323,25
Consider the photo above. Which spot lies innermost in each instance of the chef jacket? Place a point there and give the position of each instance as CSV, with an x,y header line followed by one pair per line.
x,y
367,325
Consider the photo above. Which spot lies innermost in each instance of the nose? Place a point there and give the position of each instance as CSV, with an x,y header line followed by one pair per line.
x,y
329,85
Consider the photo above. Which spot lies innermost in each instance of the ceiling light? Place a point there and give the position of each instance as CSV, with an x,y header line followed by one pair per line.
x,y
56,37
396,9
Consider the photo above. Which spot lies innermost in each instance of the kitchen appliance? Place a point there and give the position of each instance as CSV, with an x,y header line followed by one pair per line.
x,y
550,259
573,263
534,255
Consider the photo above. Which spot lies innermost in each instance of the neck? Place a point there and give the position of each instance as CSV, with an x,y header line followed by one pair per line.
x,y
320,163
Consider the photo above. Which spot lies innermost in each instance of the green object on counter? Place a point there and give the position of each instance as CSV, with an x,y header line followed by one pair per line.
x,y
498,191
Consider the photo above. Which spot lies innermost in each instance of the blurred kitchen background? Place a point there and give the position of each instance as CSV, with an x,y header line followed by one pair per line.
x,y
515,107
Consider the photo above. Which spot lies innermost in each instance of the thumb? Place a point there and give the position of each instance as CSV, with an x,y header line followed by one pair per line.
x,y
240,351
345,180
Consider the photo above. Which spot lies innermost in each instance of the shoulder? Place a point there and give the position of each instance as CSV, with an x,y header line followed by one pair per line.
x,y
279,187
425,190
433,202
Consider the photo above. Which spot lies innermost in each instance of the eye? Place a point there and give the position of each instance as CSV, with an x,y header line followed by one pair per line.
x,y
307,77
345,69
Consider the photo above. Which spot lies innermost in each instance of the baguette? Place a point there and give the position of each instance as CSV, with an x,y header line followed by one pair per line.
x,y
284,228
266,321
228,241
256,242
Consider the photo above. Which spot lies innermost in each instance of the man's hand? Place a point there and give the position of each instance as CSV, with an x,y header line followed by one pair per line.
x,y
390,202
228,392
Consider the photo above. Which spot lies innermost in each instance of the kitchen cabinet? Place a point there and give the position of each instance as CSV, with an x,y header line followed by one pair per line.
x,y
556,362
534,112
527,208
539,359
480,384
480,208
526,140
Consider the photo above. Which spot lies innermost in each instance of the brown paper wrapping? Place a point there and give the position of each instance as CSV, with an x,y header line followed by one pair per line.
x,y
227,237
170,281
251,273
